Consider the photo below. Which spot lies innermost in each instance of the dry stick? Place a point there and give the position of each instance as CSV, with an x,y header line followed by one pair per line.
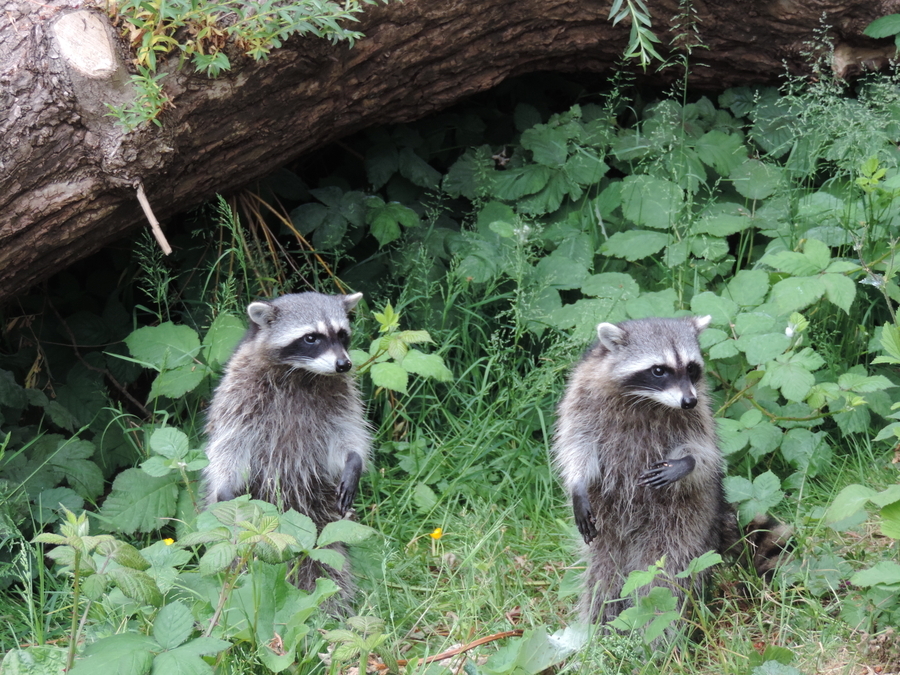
x,y
459,650
154,223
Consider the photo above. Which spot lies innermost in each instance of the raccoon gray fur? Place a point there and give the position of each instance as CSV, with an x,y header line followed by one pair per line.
x,y
637,451
286,423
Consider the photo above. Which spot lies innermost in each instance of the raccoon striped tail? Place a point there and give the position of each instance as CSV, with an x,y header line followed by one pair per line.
x,y
765,542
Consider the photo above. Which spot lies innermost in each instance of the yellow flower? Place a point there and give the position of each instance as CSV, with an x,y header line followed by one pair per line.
x,y
169,541
437,534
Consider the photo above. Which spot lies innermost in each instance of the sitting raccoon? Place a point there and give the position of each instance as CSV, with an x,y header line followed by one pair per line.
x,y
286,423
637,451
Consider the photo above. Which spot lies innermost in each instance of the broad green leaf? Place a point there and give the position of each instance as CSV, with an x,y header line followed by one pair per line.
x,y
755,179
526,116
883,27
840,290
222,337
652,202
764,347
721,309
176,382
164,346
173,625
328,556
550,197
137,585
748,288
611,285
849,501
36,660
124,653
753,498
723,350
139,502
382,162
720,223
169,442
576,248
806,451
71,462
635,244
471,175
661,303
534,652
217,558
890,520
426,365
390,376
560,273
548,145
385,219
346,531
513,184
797,293
585,167
792,379
424,497
883,573
723,152
416,170
797,264
300,527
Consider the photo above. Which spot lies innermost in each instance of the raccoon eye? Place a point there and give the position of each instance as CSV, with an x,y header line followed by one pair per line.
x,y
658,371
693,370
311,339
343,335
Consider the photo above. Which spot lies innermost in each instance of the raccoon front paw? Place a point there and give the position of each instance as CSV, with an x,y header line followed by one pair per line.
x,y
666,472
584,517
349,483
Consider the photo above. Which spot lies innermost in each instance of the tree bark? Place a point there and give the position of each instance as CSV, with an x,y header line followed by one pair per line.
x,y
69,173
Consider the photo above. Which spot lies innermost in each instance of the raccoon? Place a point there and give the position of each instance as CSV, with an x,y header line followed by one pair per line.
x,y
637,451
286,423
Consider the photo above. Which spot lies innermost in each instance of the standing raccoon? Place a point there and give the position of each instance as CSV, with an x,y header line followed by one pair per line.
x,y
286,424
637,451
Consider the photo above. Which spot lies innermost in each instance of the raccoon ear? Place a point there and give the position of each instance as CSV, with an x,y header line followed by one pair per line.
x,y
351,300
611,336
701,322
261,313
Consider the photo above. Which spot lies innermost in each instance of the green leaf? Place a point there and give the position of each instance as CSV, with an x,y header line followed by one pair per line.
x,y
426,365
796,293
137,585
723,221
614,285
382,162
661,303
721,309
755,179
848,503
794,381
840,290
548,145
513,184
390,376
139,502
416,170
125,653
164,346
217,558
890,520
169,442
762,348
559,272
634,244
882,573
176,382
385,219
38,660
71,461
748,288
806,451
346,531
723,152
173,625
328,556
649,201
424,497
753,498
586,168
223,335
883,27
471,175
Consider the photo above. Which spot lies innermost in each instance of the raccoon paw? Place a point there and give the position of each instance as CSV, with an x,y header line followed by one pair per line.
x,y
584,517
349,483
666,472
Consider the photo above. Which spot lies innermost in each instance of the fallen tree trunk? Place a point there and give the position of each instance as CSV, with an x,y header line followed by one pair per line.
x,y
69,174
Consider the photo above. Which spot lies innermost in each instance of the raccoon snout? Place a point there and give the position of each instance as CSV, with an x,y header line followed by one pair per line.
x,y
688,401
343,365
